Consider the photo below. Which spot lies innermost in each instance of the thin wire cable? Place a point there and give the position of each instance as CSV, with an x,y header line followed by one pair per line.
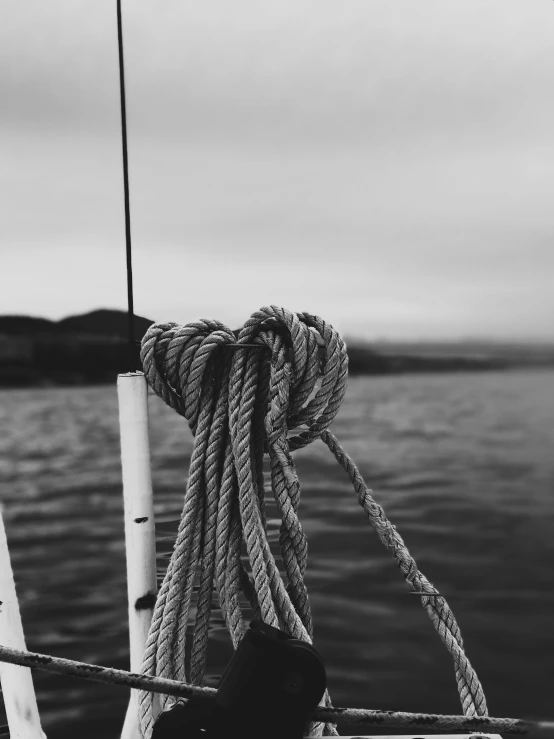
x,y
130,307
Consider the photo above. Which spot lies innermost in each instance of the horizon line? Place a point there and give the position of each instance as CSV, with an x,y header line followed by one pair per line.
x,y
378,339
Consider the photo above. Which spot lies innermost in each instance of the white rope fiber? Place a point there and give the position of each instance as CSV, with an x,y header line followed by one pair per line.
x,y
270,397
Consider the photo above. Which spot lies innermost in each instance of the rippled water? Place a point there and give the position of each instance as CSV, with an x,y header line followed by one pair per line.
x,y
463,465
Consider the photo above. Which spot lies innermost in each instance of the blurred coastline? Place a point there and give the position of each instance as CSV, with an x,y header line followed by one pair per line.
x,y
93,348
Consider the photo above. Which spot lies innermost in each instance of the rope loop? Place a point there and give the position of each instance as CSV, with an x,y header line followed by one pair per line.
x,y
175,359
274,388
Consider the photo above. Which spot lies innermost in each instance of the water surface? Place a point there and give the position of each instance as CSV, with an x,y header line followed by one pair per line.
x,y
463,465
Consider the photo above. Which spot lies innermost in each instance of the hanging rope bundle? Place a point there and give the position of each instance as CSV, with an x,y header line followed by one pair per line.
x,y
266,392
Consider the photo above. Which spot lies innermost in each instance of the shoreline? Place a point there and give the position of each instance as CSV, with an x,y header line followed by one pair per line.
x,y
92,349
29,378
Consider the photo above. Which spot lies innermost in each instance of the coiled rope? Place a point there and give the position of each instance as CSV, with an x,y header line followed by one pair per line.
x,y
266,392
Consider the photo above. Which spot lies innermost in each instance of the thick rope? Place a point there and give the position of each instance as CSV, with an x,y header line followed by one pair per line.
x,y
241,403
355,717
438,610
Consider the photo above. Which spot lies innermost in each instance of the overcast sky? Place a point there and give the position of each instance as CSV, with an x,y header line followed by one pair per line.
x,y
387,164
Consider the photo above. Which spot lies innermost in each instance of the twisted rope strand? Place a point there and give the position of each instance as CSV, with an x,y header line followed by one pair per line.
x,y
469,687
240,405
213,467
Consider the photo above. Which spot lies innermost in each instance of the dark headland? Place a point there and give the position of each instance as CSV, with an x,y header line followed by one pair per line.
x,y
93,348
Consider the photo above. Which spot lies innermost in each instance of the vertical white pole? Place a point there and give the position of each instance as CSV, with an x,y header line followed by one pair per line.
x,y
17,682
140,544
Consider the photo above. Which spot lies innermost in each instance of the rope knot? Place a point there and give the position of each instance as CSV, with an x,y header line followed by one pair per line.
x,y
242,402
305,367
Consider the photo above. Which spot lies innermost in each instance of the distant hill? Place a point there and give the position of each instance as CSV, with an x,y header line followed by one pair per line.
x,y
363,360
104,322
88,349
26,325
507,352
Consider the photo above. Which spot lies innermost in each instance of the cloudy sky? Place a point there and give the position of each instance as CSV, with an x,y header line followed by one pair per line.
x,y
387,164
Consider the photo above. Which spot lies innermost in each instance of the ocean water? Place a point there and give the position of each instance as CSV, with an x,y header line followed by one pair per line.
x,y
463,465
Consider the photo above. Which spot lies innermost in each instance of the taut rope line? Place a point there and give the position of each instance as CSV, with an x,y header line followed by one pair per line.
x,y
241,405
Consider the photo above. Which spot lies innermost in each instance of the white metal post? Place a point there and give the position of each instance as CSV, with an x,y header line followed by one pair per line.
x,y
140,544
17,682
